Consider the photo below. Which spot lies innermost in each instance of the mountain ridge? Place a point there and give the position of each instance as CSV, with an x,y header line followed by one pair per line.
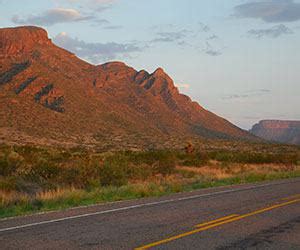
x,y
51,95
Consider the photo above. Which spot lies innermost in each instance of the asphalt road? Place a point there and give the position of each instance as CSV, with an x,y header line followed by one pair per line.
x,y
260,216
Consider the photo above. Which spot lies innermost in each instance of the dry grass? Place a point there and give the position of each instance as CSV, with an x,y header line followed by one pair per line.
x,y
218,171
55,194
8,198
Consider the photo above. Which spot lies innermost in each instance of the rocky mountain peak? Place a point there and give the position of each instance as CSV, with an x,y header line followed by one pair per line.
x,y
22,39
159,72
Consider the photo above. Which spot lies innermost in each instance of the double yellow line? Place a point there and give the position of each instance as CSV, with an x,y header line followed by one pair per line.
x,y
215,223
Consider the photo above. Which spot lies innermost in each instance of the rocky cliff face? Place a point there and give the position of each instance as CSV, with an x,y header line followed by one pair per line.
x,y
14,41
278,131
48,95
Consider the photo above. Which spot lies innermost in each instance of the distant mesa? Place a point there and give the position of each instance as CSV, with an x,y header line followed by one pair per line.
x,y
56,98
278,131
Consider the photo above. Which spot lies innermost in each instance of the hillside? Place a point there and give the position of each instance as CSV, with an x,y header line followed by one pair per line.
x,y
49,96
278,131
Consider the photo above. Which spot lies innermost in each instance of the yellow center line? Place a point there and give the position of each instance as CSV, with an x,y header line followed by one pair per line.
x,y
217,220
291,197
216,224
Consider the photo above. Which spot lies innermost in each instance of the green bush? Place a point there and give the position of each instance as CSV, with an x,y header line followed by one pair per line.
x,y
114,172
196,159
254,157
8,184
44,170
69,176
9,163
165,164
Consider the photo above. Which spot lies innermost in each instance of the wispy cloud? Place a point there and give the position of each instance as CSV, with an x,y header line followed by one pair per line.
x,y
94,6
212,37
183,86
113,27
204,27
273,32
172,36
96,52
211,51
188,37
270,10
54,16
247,94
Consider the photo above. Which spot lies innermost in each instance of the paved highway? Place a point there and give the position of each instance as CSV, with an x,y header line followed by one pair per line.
x,y
260,216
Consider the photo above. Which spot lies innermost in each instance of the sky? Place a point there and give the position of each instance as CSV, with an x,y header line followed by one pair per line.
x,y
237,58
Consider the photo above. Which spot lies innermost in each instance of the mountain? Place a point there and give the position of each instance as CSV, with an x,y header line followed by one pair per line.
x,y
49,96
278,131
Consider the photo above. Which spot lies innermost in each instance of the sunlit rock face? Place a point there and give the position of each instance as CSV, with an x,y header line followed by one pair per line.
x,y
48,95
22,39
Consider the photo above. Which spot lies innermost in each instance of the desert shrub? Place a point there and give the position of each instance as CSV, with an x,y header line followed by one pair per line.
x,y
186,173
89,173
9,163
114,172
4,166
68,176
195,159
253,157
147,157
165,164
43,169
8,184
143,164
139,172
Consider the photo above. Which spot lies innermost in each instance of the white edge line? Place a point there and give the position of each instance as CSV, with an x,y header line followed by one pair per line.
x,y
137,206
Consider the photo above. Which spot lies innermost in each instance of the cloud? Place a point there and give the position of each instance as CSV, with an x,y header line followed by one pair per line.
x,y
113,27
53,16
209,50
212,37
247,94
170,36
183,86
204,27
272,32
94,2
212,52
102,1
95,52
272,11
93,5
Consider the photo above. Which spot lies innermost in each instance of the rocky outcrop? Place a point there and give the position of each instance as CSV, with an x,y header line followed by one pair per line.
x,y
278,131
14,41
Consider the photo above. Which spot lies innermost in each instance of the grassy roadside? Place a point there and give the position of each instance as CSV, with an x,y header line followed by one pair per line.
x,y
67,198
36,179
